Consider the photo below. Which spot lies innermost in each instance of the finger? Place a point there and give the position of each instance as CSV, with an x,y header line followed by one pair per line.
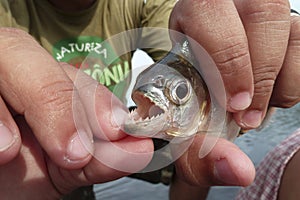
x,y
10,141
137,155
105,111
22,173
111,158
226,164
108,164
286,92
34,85
267,24
112,147
217,27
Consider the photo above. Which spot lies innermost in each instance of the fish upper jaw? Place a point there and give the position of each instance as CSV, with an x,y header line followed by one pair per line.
x,y
150,117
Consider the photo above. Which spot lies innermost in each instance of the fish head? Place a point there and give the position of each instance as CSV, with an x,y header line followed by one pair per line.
x,y
172,100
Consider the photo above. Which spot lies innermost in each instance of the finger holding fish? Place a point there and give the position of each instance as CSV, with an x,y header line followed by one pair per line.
x,y
286,93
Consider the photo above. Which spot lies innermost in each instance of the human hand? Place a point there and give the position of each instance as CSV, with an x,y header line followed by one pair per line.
x,y
255,46
45,151
225,165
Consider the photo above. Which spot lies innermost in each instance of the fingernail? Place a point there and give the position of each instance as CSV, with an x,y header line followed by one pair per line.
x,y
79,147
6,137
224,173
240,101
252,119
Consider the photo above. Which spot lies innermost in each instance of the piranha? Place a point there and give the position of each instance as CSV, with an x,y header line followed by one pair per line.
x,y
172,98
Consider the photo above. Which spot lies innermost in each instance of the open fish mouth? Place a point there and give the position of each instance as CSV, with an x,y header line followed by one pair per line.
x,y
146,109
148,118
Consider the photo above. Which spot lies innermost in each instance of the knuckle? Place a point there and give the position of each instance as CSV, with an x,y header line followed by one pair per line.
x,y
8,31
5,116
232,59
264,87
295,29
12,34
13,38
263,10
264,80
284,100
56,95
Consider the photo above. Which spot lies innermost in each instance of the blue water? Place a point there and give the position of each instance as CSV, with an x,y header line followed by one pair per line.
x,y
255,144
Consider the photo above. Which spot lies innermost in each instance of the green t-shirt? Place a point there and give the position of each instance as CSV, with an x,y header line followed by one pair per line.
x,y
71,37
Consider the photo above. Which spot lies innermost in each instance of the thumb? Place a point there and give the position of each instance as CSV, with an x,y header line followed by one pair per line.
x,y
226,164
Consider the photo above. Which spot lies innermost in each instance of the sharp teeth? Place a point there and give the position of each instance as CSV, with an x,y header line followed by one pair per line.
x,y
133,111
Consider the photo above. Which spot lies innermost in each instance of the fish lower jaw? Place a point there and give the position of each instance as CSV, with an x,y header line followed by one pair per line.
x,y
139,120
147,127
147,122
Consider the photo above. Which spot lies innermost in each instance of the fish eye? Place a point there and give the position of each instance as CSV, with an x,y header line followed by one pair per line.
x,y
180,92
